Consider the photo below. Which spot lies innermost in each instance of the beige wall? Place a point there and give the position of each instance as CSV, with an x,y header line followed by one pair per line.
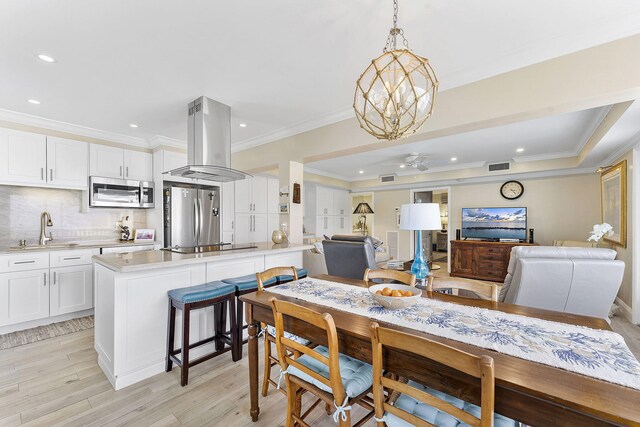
x,y
626,254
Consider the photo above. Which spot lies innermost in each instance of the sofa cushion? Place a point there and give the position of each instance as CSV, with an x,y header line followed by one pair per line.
x,y
356,376
435,416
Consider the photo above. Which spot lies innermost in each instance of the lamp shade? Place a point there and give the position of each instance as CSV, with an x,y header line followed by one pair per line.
x,y
363,208
420,216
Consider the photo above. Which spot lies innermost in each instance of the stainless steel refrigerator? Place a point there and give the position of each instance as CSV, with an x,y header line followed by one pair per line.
x,y
191,215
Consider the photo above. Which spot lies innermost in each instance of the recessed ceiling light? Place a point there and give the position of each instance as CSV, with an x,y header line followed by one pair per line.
x,y
45,58
133,125
520,150
34,101
453,159
360,171
402,166
243,125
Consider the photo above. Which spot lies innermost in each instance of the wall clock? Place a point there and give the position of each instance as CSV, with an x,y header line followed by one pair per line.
x,y
511,190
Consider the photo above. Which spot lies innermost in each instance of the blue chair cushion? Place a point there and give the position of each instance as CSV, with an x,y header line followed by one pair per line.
x,y
356,376
435,416
302,272
248,282
202,292
272,331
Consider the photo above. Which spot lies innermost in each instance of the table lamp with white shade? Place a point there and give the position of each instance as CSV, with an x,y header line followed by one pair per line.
x,y
418,217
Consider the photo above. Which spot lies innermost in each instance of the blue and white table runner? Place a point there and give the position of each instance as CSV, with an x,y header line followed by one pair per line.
x,y
595,353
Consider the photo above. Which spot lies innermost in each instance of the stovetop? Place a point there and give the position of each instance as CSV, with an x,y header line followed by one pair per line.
x,y
218,247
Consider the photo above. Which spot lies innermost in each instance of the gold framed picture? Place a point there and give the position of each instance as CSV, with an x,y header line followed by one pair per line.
x,y
613,196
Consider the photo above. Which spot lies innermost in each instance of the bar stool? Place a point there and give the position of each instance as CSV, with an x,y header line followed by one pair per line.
x,y
247,284
220,296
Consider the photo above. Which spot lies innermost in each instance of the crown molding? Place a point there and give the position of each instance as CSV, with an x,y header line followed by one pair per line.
x,y
635,140
159,140
547,156
297,128
55,125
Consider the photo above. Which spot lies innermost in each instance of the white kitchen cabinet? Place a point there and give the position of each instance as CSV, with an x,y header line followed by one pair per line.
x,y
228,214
23,157
138,165
324,201
341,225
340,202
250,228
24,296
71,289
113,162
67,162
324,225
251,195
106,161
273,196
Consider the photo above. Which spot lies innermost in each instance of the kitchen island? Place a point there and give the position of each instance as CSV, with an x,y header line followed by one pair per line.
x,y
131,301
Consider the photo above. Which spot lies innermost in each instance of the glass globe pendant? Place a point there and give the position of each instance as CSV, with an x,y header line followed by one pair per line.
x,y
396,93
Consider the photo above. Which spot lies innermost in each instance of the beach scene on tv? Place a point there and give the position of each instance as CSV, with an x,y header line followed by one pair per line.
x,y
494,223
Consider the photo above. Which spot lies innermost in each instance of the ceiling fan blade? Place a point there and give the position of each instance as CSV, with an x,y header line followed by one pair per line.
x,y
422,168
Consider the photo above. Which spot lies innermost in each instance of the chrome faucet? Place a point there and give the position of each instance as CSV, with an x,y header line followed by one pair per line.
x,y
45,221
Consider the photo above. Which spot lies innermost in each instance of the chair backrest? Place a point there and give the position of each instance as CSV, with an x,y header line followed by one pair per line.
x,y
484,290
322,321
275,272
349,259
479,367
396,275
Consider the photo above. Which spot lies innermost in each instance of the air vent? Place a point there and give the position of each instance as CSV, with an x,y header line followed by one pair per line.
x,y
499,167
388,178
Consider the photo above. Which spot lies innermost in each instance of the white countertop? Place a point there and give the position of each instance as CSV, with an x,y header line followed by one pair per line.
x,y
146,260
81,244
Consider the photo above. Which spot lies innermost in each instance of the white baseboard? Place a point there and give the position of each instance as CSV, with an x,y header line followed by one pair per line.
x,y
45,321
624,310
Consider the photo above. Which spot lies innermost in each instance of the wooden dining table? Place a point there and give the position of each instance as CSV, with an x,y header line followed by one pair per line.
x,y
529,392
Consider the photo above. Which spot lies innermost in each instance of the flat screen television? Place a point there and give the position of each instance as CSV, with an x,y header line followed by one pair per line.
x,y
494,223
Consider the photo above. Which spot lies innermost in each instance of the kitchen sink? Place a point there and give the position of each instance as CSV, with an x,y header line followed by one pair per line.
x,y
43,247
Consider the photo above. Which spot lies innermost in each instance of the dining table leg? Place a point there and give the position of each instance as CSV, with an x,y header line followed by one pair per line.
x,y
253,363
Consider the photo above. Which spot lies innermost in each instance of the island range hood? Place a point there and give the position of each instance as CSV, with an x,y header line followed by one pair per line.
x,y
209,143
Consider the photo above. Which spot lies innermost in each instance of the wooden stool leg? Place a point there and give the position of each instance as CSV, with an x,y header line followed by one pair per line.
x,y
235,355
239,326
267,365
186,316
220,321
171,329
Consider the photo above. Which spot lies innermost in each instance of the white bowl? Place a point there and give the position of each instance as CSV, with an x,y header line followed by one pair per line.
x,y
395,303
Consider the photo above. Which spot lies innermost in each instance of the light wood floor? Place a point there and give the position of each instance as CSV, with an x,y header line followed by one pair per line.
x,y
58,382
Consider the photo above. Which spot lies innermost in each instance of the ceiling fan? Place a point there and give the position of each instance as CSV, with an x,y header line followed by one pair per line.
x,y
412,160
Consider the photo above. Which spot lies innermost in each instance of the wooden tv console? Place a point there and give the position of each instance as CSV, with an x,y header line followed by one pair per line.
x,y
476,259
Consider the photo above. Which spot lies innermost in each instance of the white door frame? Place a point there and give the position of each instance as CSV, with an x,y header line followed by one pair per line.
x,y
411,238
635,236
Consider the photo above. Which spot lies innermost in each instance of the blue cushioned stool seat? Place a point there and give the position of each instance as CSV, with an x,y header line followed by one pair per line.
x,y
435,416
201,292
302,272
248,282
357,376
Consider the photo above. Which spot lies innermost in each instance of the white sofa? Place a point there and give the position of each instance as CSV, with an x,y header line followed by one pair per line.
x,y
575,280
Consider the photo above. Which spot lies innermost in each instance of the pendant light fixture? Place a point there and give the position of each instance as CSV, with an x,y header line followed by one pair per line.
x,y
396,93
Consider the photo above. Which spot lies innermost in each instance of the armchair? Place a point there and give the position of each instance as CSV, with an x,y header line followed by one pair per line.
x,y
349,256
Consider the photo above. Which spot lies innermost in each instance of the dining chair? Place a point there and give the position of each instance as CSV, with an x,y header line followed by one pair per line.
x,y
395,275
484,290
270,336
334,378
423,406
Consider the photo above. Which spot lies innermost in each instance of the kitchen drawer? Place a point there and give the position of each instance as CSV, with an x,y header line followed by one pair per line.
x,y
72,257
23,262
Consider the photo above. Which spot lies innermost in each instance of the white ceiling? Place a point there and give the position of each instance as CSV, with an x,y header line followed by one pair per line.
x,y
556,136
283,66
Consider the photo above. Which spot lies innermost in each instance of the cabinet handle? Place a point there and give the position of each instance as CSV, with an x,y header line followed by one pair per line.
x,y
54,277
70,258
41,174
127,171
120,170
45,279
24,262
50,174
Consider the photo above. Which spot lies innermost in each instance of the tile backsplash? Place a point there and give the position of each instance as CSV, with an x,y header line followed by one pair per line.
x,y
20,209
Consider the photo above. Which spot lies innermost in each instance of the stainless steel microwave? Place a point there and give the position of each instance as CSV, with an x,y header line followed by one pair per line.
x,y
120,193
